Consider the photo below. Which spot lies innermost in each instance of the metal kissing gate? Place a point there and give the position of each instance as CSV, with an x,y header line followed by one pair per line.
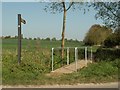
x,y
85,53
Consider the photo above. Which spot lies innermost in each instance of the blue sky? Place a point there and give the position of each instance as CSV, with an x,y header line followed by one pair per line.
x,y
44,24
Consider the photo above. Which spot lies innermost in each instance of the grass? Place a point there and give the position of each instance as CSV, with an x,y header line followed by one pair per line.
x,y
12,43
34,74
95,73
36,63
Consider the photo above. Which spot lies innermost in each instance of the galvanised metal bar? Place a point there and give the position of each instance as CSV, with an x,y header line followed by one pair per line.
x,y
52,58
67,47
91,54
86,55
67,55
76,58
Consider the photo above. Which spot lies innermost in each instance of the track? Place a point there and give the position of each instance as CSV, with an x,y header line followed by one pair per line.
x,y
89,85
71,67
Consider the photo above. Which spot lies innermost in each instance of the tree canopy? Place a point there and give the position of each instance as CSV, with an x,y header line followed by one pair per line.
x,y
97,34
113,39
109,12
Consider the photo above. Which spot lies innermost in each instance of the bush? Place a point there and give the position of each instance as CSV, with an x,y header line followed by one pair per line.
x,y
58,62
107,54
111,41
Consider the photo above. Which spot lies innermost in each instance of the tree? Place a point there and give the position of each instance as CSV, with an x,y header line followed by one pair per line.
x,y
6,37
54,39
110,41
96,35
109,12
113,39
48,39
16,37
117,34
30,38
65,39
25,38
62,6
71,40
35,39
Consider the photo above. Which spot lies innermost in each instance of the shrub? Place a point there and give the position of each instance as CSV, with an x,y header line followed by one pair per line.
x,y
107,54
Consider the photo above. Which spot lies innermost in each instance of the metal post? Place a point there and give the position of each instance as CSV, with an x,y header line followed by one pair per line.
x,y
52,58
19,38
76,58
67,55
86,55
91,54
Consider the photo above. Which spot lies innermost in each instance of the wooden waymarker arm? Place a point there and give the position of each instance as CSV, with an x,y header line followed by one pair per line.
x,y
23,21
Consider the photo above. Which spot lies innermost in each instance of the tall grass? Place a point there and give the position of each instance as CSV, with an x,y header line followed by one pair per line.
x,y
33,64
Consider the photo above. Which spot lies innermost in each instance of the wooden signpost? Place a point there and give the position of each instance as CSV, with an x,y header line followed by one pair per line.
x,y
19,36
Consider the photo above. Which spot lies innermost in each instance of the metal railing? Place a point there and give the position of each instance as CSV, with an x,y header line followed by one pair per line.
x,y
75,54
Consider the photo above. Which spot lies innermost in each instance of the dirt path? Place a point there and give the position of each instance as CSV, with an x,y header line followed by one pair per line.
x,y
90,85
70,68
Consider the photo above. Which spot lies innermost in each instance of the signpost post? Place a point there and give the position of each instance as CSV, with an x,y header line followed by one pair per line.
x,y
19,36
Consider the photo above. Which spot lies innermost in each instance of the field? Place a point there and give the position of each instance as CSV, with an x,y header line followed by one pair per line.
x,y
12,43
36,63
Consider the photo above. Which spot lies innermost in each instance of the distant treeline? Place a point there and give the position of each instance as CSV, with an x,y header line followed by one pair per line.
x,y
38,38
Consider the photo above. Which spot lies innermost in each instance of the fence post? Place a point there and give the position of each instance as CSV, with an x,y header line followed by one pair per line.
x,y
52,58
67,55
91,54
76,58
86,55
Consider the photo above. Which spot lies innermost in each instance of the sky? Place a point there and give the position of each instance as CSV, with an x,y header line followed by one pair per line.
x,y
44,24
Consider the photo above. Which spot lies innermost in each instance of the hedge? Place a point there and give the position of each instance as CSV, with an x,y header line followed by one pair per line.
x,y
107,54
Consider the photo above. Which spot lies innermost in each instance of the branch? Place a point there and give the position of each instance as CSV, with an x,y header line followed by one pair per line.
x,y
64,6
111,11
70,6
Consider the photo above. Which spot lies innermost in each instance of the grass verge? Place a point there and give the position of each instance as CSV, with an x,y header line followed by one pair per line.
x,y
34,74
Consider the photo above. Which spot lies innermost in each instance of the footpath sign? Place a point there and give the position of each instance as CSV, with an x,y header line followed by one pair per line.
x,y
20,20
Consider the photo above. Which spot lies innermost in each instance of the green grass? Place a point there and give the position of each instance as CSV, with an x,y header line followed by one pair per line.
x,y
95,73
36,62
32,73
32,65
12,43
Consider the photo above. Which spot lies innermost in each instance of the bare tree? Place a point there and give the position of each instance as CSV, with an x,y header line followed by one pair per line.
x,y
64,7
